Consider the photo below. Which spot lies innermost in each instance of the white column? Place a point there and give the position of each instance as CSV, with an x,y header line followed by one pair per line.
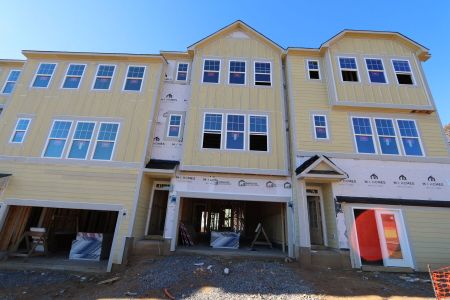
x,y
303,215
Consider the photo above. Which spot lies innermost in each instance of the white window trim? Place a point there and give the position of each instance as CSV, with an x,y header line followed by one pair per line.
x,y
254,73
326,126
384,71
51,76
203,71
382,135
402,72
65,144
15,131
187,71
221,130
418,138
373,135
97,140
72,139
126,78
8,81
245,72
66,75
308,69
346,69
179,126
244,148
258,133
96,76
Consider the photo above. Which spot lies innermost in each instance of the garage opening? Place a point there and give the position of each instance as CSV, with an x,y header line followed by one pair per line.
x,y
57,235
244,225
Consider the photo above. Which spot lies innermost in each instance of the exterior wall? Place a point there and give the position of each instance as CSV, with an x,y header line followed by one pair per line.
x,y
145,194
330,216
5,68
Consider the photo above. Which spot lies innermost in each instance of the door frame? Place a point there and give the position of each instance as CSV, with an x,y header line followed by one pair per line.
x,y
322,210
150,204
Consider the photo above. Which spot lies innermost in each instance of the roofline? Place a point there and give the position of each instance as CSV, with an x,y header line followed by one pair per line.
x,y
6,60
25,52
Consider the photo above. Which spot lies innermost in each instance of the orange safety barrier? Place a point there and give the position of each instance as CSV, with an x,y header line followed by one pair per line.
x,y
441,282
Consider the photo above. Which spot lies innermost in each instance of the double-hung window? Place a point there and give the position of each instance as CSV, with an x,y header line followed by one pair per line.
x,y
10,83
182,71
174,128
410,137
43,75
20,130
235,132
106,140
320,127
81,140
57,139
403,71
258,133
263,73
237,72
386,136
349,69
313,69
375,70
104,77
362,129
133,81
73,76
212,131
211,71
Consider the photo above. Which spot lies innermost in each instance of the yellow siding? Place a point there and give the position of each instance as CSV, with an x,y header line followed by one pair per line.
x,y
145,193
330,216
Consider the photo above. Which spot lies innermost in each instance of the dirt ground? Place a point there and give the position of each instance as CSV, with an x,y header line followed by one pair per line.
x,y
202,277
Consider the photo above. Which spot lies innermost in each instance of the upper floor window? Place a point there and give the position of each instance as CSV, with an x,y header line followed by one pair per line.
x,y
174,126
10,83
320,127
212,131
104,77
403,71
182,71
81,140
375,70
73,76
20,130
237,72
235,132
57,139
362,129
263,73
133,81
106,140
258,136
211,71
313,69
386,136
410,137
349,69
44,75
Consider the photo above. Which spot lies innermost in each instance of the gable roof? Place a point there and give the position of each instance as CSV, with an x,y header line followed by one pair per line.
x,y
309,169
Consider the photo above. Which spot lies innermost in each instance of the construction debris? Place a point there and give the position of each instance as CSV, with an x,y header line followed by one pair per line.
x,y
226,271
131,294
111,280
168,294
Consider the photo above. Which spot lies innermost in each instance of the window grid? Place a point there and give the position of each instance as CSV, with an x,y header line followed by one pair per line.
x,y
263,73
134,78
104,77
57,139
320,127
81,140
106,140
211,71
313,69
182,71
174,126
387,137
411,142
362,129
402,68
73,77
10,83
237,72
375,70
20,130
44,75
258,133
212,126
235,132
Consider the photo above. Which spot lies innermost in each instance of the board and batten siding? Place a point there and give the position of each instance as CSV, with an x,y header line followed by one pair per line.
x,y
145,194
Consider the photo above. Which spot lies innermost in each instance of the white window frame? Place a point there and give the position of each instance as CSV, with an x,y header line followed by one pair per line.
x,y
254,73
126,78
382,135
418,138
308,69
72,139
51,76
383,71
65,144
219,71
258,133
8,81
179,126
372,135
326,126
243,132
402,72
97,140
96,76
16,130
347,69
79,76
212,131
187,71
245,72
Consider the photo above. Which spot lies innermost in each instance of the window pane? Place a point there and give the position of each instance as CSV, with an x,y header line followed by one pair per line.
x,y
412,146
258,142
385,127
9,87
60,129
71,82
374,64
262,67
212,65
107,71
314,75
133,84
79,149
377,77
18,136
103,150
404,79
54,148
258,124
136,72
261,78
237,78
182,76
108,132
407,128
174,131
401,66
365,144
319,121
75,70
237,66
102,83
213,122
235,122
212,77
313,65
175,120
46,69
388,145
41,81
362,126
347,63
350,76
211,140
235,140
321,132
183,67
14,75
84,130
22,124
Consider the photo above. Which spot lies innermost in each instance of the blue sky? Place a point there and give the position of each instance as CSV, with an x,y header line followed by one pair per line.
x,y
150,26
